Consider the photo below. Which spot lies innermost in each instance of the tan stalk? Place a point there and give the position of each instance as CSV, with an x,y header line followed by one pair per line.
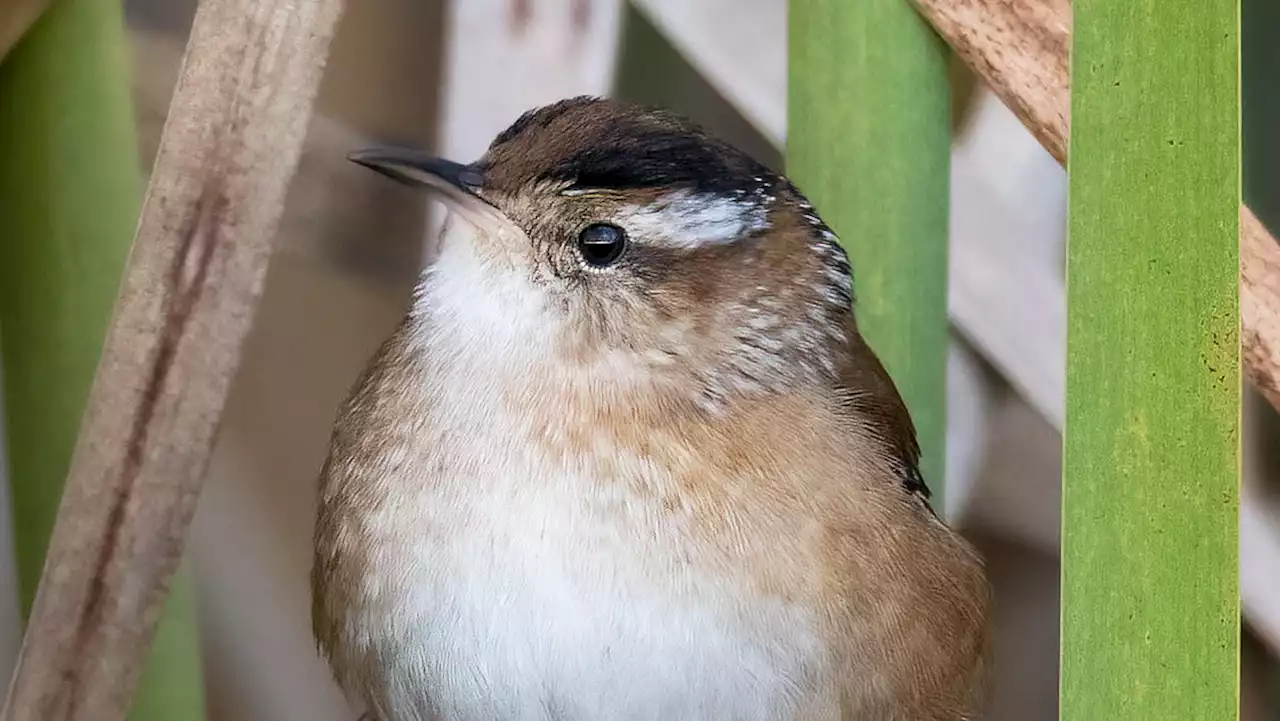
x,y
1020,48
230,146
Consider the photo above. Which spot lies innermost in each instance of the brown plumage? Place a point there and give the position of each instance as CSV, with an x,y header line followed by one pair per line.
x,y
627,457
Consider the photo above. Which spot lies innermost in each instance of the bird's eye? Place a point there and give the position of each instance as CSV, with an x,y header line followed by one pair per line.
x,y
601,244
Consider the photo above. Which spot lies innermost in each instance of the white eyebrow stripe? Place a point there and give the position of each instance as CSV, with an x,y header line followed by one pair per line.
x,y
682,219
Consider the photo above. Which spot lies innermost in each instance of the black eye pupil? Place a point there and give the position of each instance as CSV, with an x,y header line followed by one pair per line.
x,y
601,244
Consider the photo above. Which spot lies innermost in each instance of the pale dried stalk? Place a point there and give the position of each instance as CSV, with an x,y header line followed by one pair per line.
x,y
16,18
1021,49
1260,305
229,148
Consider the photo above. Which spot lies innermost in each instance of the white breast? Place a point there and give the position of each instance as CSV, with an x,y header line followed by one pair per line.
x,y
532,590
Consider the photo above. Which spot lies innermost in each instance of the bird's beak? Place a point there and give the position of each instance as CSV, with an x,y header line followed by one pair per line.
x,y
459,183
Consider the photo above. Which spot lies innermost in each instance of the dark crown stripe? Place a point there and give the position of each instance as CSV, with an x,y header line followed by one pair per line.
x,y
635,156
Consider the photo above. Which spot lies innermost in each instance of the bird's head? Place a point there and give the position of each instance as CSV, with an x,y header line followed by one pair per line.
x,y
626,245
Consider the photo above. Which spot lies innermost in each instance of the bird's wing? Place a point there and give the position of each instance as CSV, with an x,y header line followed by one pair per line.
x,y
919,583
869,393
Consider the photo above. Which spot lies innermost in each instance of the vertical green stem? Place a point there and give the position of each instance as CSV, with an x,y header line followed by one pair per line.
x,y
70,191
869,142
1150,610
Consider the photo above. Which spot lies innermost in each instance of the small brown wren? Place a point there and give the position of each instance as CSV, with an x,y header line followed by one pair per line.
x,y
627,457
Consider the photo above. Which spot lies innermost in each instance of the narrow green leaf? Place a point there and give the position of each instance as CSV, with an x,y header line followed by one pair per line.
x,y
1150,609
869,142
70,191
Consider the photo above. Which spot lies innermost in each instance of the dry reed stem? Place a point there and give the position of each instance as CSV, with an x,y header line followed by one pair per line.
x,y
1260,305
230,146
1021,48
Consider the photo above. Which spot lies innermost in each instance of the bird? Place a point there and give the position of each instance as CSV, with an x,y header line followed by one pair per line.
x,y
627,456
